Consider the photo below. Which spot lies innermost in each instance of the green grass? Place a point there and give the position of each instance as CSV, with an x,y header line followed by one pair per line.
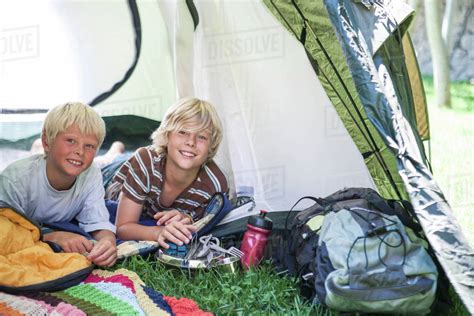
x,y
264,292
462,94
452,151
257,292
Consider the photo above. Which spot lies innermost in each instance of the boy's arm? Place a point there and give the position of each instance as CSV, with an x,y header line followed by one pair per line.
x,y
128,214
94,219
69,242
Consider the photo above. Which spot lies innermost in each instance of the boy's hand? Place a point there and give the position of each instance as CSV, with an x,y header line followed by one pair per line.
x,y
70,242
166,217
175,232
104,252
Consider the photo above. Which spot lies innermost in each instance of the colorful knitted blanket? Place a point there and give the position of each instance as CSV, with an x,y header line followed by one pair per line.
x,y
120,292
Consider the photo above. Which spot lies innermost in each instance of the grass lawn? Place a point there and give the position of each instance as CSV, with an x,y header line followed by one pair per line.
x,y
452,151
260,292
263,292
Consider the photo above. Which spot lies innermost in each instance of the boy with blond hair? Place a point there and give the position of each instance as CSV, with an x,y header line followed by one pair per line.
x,y
62,185
172,180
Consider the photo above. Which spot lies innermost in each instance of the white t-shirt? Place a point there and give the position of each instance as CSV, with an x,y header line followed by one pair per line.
x,y
25,186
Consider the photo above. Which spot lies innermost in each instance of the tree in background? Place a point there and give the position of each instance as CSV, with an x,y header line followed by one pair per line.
x,y
438,29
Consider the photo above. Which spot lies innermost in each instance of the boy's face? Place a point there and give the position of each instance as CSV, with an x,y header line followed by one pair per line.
x,y
69,154
188,150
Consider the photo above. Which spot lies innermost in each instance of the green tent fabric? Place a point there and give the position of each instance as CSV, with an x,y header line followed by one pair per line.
x,y
310,21
383,95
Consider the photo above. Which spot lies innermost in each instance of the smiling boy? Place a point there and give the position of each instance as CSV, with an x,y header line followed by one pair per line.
x,y
62,185
173,180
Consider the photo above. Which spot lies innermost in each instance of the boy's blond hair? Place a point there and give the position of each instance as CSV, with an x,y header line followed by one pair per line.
x,y
189,111
61,117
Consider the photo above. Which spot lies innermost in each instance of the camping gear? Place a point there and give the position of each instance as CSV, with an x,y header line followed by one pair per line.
x,y
356,252
216,209
209,243
28,263
255,239
313,95
367,261
244,194
293,248
203,252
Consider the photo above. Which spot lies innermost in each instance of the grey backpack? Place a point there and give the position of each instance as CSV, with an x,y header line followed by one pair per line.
x,y
368,261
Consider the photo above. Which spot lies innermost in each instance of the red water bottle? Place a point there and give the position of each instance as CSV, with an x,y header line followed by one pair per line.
x,y
255,239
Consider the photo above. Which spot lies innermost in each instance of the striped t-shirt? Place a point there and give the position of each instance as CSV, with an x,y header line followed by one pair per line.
x,y
141,180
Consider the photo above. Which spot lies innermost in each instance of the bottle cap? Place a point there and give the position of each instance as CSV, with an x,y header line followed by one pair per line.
x,y
261,221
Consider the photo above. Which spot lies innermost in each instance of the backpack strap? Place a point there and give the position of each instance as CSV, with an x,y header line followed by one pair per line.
x,y
317,201
377,201
404,211
320,201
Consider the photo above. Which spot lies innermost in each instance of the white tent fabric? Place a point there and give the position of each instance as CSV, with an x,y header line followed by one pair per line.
x,y
60,51
282,135
151,89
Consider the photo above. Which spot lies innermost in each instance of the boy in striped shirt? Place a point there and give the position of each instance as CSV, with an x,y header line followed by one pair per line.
x,y
172,180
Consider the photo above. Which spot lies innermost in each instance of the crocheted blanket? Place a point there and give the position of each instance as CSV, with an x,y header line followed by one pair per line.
x,y
119,292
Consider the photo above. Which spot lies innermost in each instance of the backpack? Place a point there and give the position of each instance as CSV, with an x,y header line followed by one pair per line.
x,y
293,248
354,251
367,261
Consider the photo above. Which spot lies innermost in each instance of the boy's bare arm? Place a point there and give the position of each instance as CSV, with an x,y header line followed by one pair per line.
x,y
70,242
128,214
104,252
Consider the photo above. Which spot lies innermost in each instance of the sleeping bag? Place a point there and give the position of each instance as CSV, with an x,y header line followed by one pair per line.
x,y
29,264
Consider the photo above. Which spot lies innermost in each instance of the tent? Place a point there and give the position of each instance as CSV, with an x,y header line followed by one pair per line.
x,y
314,95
